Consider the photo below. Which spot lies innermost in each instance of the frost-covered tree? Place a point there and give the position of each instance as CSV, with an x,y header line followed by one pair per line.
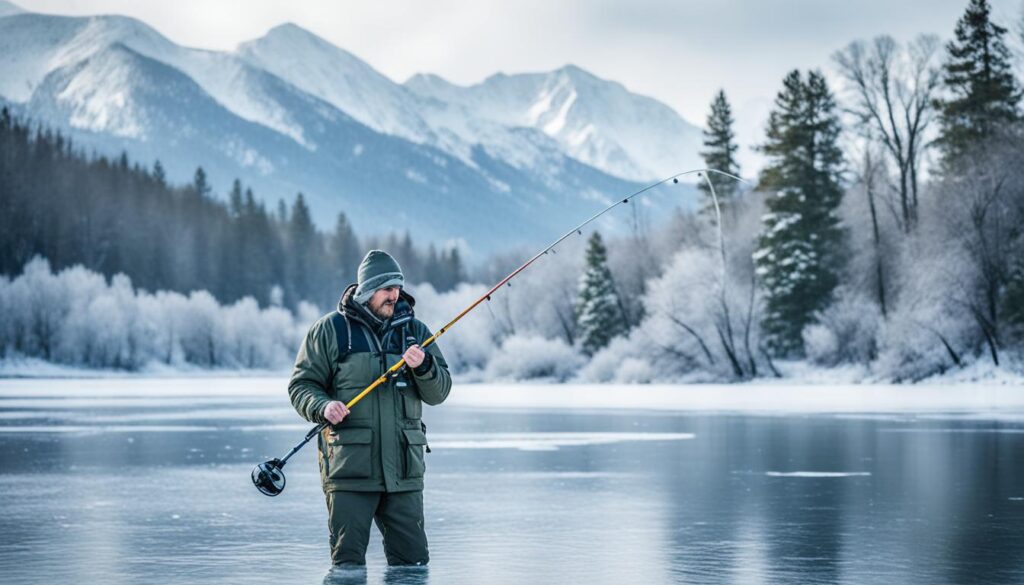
x,y
892,90
720,150
983,92
78,317
927,331
798,259
597,305
703,310
1013,300
869,214
983,214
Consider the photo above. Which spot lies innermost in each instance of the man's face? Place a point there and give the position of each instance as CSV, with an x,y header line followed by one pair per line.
x,y
382,303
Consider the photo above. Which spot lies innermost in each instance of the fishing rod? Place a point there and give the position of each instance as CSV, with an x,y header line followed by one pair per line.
x,y
268,477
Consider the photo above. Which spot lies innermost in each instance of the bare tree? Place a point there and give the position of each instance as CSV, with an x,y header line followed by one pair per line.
x,y
870,171
892,90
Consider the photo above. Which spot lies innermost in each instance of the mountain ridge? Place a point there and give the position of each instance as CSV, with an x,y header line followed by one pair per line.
x,y
233,113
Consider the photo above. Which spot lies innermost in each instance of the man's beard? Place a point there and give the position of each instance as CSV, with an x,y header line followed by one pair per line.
x,y
383,311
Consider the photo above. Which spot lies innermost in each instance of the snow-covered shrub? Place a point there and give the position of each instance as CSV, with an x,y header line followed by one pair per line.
x,y
77,339
634,371
6,316
40,303
77,317
202,328
606,364
928,331
243,348
845,332
693,324
527,357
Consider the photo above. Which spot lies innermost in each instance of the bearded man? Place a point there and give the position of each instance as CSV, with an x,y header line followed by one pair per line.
x,y
372,458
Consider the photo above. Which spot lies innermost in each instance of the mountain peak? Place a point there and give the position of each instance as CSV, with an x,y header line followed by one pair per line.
x,y
292,31
294,43
574,70
292,37
427,82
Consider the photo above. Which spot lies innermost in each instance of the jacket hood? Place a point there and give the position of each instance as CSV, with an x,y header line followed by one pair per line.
x,y
350,308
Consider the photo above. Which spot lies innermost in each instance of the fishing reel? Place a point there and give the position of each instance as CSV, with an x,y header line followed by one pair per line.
x,y
268,477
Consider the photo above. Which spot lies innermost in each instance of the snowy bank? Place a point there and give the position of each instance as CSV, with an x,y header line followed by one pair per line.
x,y
768,398
23,367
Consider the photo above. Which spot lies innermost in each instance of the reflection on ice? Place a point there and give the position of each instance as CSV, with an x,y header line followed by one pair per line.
x,y
817,473
345,575
545,441
105,429
952,430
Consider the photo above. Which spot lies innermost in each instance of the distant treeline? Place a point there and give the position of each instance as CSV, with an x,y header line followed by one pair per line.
x,y
116,216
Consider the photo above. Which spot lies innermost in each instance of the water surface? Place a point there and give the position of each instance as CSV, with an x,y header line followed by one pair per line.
x,y
156,490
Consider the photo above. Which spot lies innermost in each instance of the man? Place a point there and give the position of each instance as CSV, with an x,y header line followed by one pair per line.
x,y
371,459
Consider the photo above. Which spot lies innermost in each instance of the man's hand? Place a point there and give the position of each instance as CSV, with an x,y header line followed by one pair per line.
x,y
414,356
335,412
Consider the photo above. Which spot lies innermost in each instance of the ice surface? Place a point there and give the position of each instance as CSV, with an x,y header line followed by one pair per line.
x,y
623,486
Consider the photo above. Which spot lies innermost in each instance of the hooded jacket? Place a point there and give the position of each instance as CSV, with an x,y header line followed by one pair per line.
x,y
379,445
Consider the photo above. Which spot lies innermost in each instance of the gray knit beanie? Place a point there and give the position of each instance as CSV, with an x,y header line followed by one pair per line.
x,y
377,270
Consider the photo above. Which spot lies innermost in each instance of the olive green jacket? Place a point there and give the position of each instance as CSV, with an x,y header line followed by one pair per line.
x,y
379,446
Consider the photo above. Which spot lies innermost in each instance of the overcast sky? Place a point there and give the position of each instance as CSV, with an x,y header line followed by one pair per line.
x,y
679,52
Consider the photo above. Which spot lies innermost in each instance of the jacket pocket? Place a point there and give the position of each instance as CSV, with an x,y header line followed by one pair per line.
x,y
415,439
349,453
412,406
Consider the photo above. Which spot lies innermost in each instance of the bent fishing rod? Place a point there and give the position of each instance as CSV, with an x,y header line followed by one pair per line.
x,y
268,476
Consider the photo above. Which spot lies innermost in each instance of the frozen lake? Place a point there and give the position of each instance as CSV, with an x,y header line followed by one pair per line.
x,y
147,481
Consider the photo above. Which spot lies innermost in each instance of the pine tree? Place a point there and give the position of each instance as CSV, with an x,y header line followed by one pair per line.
x,y
235,199
303,255
432,267
979,76
282,212
597,306
200,184
159,175
799,250
720,151
201,261
345,252
455,267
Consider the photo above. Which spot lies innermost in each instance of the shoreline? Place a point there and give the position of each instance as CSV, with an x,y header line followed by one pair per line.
x,y
750,398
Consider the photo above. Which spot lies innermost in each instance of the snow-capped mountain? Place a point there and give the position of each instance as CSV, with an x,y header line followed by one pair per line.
x,y
339,78
42,44
595,121
290,112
